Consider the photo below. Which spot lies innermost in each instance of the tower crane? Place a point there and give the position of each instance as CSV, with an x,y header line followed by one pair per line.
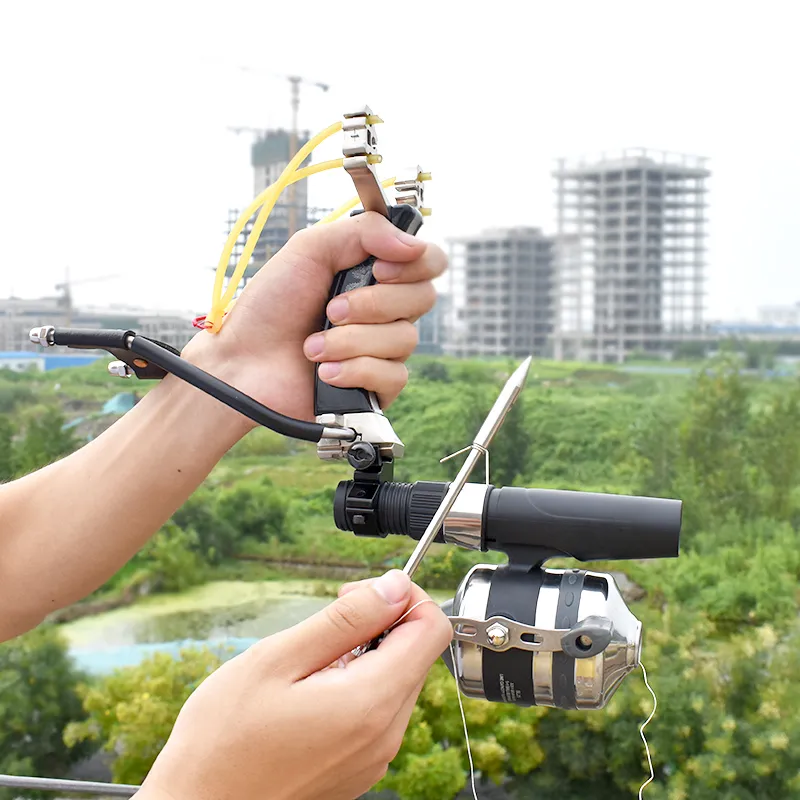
x,y
66,289
295,81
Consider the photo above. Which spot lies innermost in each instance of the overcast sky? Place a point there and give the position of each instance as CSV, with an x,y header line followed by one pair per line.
x,y
115,158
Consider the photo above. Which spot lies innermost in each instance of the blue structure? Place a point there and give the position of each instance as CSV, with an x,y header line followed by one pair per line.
x,y
43,362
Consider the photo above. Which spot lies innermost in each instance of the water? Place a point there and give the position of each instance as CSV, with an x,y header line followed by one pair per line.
x,y
225,616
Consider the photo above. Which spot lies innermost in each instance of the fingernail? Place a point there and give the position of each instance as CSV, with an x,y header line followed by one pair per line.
x,y
393,587
330,369
337,309
314,345
406,238
386,271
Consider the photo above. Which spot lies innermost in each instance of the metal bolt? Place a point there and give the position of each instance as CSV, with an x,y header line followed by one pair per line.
x,y
585,642
119,369
42,336
497,635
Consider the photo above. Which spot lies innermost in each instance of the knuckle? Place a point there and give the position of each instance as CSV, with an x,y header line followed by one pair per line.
x,y
401,378
345,616
409,336
439,259
373,303
340,340
427,295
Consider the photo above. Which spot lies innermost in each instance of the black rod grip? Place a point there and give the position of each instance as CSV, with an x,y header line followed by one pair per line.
x,y
331,399
584,525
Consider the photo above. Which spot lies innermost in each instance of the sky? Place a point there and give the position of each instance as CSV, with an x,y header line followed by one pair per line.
x,y
117,162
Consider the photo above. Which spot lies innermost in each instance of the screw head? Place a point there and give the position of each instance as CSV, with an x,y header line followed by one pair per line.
x,y
497,635
362,455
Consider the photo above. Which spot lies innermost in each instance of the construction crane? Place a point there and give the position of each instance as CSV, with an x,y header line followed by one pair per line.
x,y
295,82
65,301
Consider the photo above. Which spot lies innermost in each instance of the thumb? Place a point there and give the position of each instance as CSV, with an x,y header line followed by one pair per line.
x,y
346,623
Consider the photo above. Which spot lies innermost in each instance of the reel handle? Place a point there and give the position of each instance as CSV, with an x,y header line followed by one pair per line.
x,y
331,399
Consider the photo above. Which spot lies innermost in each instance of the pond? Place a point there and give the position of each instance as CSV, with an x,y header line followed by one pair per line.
x,y
227,616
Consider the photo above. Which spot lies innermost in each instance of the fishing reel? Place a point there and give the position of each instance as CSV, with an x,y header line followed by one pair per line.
x,y
524,634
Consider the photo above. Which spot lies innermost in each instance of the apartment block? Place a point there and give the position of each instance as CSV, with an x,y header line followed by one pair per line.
x,y
499,294
630,261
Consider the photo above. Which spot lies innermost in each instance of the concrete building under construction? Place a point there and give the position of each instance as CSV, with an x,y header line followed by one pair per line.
x,y
630,257
499,293
269,156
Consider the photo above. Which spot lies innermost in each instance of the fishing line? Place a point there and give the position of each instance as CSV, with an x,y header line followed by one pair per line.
x,y
464,721
641,731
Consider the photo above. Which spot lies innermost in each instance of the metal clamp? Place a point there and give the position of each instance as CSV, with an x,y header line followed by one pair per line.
x,y
586,639
410,190
372,427
359,141
500,634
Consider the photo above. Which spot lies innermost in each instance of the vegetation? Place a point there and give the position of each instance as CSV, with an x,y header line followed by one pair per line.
x,y
38,698
722,638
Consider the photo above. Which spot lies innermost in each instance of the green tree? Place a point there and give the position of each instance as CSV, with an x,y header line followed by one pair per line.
x,y
45,440
6,448
713,473
256,509
172,560
38,698
217,537
775,450
131,712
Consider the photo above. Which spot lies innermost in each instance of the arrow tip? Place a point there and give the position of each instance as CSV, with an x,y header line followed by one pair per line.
x,y
521,372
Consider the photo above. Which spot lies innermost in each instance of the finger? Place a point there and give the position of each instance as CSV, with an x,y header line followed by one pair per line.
x,y
382,303
343,625
386,378
346,588
395,340
346,243
431,265
415,643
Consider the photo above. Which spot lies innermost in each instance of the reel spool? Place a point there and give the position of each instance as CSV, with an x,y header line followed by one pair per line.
x,y
547,637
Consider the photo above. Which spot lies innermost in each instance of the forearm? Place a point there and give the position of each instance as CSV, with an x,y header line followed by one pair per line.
x,y
69,527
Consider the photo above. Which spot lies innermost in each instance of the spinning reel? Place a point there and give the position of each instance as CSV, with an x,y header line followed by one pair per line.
x,y
524,634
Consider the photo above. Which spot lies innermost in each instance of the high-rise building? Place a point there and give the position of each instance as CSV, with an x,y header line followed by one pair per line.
x,y
499,293
631,254
269,156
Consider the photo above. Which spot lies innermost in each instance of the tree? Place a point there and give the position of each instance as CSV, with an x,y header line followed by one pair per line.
x,y
6,445
131,712
38,697
216,537
256,509
775,450
172,559
45,440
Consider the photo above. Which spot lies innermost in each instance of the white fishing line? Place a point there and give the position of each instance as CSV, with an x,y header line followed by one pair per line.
x,y
416,605
641,731
464,721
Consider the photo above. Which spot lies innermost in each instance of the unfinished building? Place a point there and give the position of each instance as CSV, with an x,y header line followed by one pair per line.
x,y
630,255
499,294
